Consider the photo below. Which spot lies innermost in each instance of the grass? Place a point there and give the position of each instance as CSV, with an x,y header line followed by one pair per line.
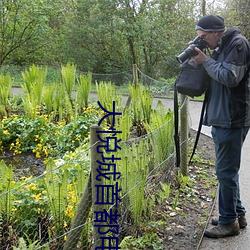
x,y
160,88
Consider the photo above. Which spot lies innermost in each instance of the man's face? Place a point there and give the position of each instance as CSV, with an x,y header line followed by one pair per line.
x,y
211,38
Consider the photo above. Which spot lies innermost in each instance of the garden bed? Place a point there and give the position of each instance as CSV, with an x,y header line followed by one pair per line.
x,y
179,220
24,165
186,225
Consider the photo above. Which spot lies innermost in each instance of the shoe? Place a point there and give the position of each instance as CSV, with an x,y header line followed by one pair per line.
x,y
241,219
221,231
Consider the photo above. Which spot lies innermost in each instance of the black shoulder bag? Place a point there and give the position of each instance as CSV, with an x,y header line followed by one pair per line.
x,y
191,81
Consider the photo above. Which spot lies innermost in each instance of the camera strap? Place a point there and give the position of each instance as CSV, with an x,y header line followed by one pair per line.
x,y
176,126
199,127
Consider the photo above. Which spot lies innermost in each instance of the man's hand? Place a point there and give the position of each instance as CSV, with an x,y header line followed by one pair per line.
x,y
200,58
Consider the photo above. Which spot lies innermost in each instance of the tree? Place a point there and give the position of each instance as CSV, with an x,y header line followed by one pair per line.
x,y
102,36
32,31
108,36
237,13
20,22
94,39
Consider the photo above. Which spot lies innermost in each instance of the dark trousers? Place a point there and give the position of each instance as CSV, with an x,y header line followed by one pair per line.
x,y
228,145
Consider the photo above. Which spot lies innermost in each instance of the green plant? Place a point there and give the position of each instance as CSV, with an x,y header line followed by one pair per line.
x,y
5,90
141,109
147,241
184,181
176,199
30,208
165,190
107,96
161,128
62,104
6,205
124,124
58,102
42,136
23,134
34,81
146,101
134,170
56,184
68,74
83,91
28,244
6,196
22,245
48,98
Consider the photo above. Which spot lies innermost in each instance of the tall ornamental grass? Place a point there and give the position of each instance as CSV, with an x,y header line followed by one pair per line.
x,y
5,91
68,74
34,80
83,91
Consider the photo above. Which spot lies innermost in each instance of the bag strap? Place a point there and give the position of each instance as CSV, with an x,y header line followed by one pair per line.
x,y
199,127
176,126
176,121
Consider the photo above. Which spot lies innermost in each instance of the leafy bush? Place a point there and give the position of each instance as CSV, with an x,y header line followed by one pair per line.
x,y
44,138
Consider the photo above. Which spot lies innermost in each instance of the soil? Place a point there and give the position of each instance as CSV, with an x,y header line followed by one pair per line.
x,y
186,224
179,220
24,164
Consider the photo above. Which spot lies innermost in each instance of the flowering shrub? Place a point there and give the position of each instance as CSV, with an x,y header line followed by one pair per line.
x,y
37,205
43,137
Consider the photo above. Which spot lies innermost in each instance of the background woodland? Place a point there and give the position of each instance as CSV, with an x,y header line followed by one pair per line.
x,y
107,36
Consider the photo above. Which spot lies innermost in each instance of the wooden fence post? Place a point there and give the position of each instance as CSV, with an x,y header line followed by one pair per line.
x,y
135,74
135,82
80,218
96,192
89,197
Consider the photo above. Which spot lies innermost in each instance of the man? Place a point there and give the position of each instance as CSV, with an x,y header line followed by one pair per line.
x,y
228,112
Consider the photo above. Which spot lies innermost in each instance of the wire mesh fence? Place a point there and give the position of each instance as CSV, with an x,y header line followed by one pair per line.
x,y
160,87
67,207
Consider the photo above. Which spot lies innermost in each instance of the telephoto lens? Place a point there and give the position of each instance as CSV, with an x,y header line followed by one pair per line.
x,y
190,50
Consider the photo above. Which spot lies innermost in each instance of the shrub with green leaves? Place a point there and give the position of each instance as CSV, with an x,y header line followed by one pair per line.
x,y
43,137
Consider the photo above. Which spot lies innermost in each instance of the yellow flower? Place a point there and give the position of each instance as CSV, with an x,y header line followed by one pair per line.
x,y
38,156
6,132
69,211
17,152
31,187
45,151
73,199
37,196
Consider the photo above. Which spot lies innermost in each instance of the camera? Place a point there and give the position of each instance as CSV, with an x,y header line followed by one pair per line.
x,y
190,51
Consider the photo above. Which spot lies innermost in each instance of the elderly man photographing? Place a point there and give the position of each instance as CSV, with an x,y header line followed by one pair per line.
x,y
228,112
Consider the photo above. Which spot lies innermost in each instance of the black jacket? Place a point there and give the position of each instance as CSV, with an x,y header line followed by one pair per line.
x,y
229,90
